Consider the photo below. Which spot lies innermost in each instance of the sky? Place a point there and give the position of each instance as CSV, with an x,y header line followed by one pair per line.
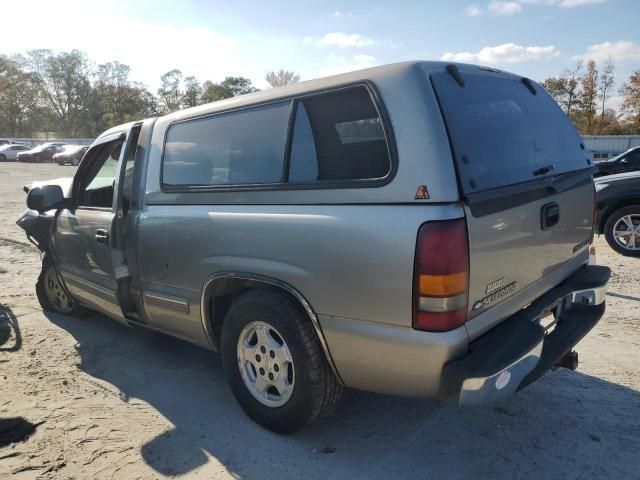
x,y
211,39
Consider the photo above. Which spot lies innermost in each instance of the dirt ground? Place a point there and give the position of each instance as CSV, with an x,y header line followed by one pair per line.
x,y
94,399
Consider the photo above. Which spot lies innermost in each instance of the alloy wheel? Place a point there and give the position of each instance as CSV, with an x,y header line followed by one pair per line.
x,y
266,364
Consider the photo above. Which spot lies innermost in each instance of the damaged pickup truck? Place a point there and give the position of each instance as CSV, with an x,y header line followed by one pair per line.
x,y
417,229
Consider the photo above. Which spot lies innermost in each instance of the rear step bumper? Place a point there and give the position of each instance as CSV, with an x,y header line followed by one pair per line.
x,y
519,350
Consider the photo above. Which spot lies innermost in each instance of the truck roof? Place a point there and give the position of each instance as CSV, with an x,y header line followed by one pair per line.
x,y
374,74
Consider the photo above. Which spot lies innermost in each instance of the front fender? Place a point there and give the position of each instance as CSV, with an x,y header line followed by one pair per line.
x,y
37,227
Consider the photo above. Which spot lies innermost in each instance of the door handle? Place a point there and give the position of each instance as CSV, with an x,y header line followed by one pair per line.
x,y
549,215
102,236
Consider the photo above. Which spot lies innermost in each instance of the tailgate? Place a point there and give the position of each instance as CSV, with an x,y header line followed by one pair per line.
x,y
527,187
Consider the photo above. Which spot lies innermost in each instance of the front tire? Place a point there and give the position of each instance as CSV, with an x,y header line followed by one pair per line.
x,y
274,363
622,231
52,295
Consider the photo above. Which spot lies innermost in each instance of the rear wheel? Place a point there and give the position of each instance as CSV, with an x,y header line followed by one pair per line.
x,y
274,363
622,231
53,297
3,158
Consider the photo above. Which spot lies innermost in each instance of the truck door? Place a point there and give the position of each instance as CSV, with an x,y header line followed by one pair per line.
x,y
87,239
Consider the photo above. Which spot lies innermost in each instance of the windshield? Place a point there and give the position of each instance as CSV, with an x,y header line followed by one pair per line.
x,y
502,134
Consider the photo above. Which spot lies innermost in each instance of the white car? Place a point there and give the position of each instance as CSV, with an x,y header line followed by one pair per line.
x,y
9,152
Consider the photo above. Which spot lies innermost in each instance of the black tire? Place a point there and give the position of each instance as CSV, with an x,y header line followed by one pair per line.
x,y
610,224
316,390
46,303
3,158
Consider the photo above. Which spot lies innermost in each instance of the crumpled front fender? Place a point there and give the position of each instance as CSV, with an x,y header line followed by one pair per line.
x,y
38,227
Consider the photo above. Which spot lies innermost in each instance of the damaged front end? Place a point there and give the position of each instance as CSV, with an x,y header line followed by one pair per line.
x,y
38,225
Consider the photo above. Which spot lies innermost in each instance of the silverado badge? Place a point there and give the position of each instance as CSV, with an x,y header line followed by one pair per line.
x,y
496,290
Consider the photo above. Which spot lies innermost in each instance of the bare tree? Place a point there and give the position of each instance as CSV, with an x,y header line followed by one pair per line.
x,y
281,78
589,94
607,80
630,92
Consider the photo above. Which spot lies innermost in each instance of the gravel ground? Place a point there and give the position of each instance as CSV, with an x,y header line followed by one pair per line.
x,y
93,398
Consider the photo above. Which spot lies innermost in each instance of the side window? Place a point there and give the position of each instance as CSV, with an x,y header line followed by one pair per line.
x,y
96,188
338,136
234,148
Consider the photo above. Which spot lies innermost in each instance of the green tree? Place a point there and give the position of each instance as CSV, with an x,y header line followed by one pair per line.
x,y
169,91
64,83
229,87
212,92
238,85
18,98
192,92
565,89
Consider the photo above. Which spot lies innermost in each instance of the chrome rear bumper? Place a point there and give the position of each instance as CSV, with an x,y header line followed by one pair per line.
x,y
520,349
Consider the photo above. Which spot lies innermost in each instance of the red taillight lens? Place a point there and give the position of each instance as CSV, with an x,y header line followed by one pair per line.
x,y
441,276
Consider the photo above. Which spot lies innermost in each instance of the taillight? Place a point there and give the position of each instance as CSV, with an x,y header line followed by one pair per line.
x,y
441,276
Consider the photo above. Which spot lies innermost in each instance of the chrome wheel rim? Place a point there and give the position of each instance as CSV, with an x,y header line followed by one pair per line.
x,y
626,232
266,364
54,292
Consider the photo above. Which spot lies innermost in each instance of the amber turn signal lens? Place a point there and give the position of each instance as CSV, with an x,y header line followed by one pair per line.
x,y
443,285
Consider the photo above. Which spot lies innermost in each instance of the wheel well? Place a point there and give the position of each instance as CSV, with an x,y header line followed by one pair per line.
x,y
221,292
615,207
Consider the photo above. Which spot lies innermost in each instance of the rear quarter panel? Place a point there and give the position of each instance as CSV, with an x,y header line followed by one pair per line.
x,y
353,261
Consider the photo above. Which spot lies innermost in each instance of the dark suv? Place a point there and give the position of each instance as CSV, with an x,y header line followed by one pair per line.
x,y
618,212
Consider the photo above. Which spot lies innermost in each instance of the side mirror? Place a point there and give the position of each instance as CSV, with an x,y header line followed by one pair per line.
x,y
45,198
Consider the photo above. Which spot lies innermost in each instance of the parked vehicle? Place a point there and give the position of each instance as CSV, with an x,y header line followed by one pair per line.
x,y
618,212
4,141
9,152
41,153
334,233
628,161
71,155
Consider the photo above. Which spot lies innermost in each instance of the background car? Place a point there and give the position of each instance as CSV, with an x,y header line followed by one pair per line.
x,y
9,152
628,161
618,212
71,155
41,153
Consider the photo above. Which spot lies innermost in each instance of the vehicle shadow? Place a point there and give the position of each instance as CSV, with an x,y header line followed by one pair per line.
x,y
9,329
15,429
567,425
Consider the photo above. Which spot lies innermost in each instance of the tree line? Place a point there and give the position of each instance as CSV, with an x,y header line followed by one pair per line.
x,y
585,92
67,95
